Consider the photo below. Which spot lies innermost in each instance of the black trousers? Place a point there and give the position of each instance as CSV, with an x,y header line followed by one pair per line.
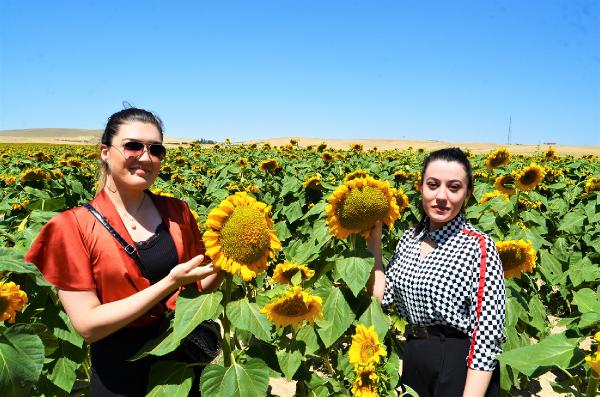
x,y
436,366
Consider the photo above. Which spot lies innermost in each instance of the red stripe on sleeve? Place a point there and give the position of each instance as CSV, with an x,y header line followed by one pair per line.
x,y
482,269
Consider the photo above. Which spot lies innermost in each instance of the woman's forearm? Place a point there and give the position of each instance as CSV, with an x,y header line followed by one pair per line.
x,y
95,321
376,284
477,383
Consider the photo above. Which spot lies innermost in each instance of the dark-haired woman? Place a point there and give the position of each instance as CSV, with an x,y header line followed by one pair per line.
x,y
445,278
114,301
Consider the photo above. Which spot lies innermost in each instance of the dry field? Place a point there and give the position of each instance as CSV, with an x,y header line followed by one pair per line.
x,y
91,137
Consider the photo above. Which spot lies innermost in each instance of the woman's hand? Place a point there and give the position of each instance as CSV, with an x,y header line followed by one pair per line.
x,y
191,271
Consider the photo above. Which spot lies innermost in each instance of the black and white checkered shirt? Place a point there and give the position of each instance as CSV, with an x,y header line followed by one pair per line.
x,y
460,283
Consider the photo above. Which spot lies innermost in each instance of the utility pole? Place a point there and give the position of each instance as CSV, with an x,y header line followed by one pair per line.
x,y
509,126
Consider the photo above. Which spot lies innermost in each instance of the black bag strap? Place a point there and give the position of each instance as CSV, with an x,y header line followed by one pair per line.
x,y
130,249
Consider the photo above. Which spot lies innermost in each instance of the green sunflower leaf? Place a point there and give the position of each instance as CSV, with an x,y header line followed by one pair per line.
x,y
246,315
170,379
21,360
354,271
193,308
250,379
337,317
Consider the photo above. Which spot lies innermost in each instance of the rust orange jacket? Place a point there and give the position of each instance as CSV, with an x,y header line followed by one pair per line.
x,y
75,252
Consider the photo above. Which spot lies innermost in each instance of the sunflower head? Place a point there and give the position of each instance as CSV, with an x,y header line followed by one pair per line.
x,y
269,165
322,146
356,147
327,157
517,256
34,174
284,272
243,162
593,360
529,177
365,349
293,308
497,158
360,173
239,236
592,185
550,154
505,184
366,383
313,183
402,176
401,199
355,206
12,300
490,195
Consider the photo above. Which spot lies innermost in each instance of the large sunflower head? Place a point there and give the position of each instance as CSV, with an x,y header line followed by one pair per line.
x,y
497,158
505,184
269,165
366,382
592,185
12,300
284,272
529,177
357,147
365,349
490,195
239,236
355,206
293,308
517,256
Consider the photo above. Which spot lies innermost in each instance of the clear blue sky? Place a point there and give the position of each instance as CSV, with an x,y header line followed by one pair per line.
x,y
447,70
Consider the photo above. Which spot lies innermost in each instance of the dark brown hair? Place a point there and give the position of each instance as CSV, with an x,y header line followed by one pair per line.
x,y
452,154
127,115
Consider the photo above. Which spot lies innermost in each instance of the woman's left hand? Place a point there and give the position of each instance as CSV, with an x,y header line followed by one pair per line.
x,y
191,271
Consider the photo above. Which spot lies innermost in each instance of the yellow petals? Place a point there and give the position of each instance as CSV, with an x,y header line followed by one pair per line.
x,y
239,237
517,256
293,308
12,300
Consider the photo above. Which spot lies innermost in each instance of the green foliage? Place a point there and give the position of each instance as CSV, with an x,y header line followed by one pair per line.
x,y
559,217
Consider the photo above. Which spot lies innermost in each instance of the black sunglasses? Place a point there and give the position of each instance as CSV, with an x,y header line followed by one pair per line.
x,y
136,149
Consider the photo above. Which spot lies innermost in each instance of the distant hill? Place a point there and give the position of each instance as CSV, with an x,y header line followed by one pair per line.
x,y
62,135
51,132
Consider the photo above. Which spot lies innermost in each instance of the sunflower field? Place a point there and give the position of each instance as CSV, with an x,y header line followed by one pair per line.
x,y
288,226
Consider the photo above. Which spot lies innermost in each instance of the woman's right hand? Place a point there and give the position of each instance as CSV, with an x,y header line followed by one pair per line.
x,y
374,240
191,271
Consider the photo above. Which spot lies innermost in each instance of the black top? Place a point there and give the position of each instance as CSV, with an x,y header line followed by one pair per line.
x,y
112,374
158,254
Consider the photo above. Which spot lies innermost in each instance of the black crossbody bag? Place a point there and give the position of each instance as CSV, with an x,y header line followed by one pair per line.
x,y
203,344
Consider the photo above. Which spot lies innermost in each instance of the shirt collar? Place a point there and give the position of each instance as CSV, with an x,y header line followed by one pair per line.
x,y
442,234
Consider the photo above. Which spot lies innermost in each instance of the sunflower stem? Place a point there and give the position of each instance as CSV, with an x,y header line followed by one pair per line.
x,y
228,356
592,386
516,209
